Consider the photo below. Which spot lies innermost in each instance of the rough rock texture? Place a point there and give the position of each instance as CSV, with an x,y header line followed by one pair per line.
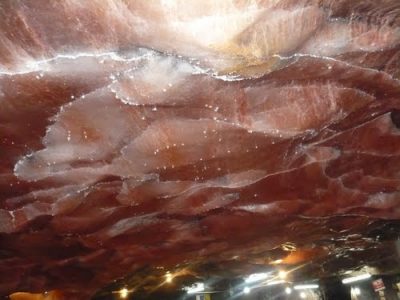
x,y
156,133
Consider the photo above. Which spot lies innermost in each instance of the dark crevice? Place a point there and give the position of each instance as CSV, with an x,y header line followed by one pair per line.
x,y
395,116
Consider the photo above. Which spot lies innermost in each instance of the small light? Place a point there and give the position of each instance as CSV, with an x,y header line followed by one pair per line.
x,y
246,290
288,290
356,278
303,295
357,291
282,274
123,293
168,277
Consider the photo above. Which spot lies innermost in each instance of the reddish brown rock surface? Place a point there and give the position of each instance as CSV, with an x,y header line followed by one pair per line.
x,y
157,133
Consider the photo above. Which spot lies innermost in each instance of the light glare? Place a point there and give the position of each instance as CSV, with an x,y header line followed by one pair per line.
x,y
288,290
168,277
123,293
303,295
282,274
246,290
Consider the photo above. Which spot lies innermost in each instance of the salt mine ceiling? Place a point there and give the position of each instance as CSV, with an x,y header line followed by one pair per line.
x,y
211,138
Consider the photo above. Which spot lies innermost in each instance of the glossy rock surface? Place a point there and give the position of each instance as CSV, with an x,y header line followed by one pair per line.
x,y
164,133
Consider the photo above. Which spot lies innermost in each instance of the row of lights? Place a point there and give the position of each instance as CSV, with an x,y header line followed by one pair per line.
x,y
288,290
124,292
282,275
200,287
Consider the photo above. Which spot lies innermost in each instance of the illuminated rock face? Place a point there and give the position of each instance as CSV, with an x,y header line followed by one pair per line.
x,y
137,133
